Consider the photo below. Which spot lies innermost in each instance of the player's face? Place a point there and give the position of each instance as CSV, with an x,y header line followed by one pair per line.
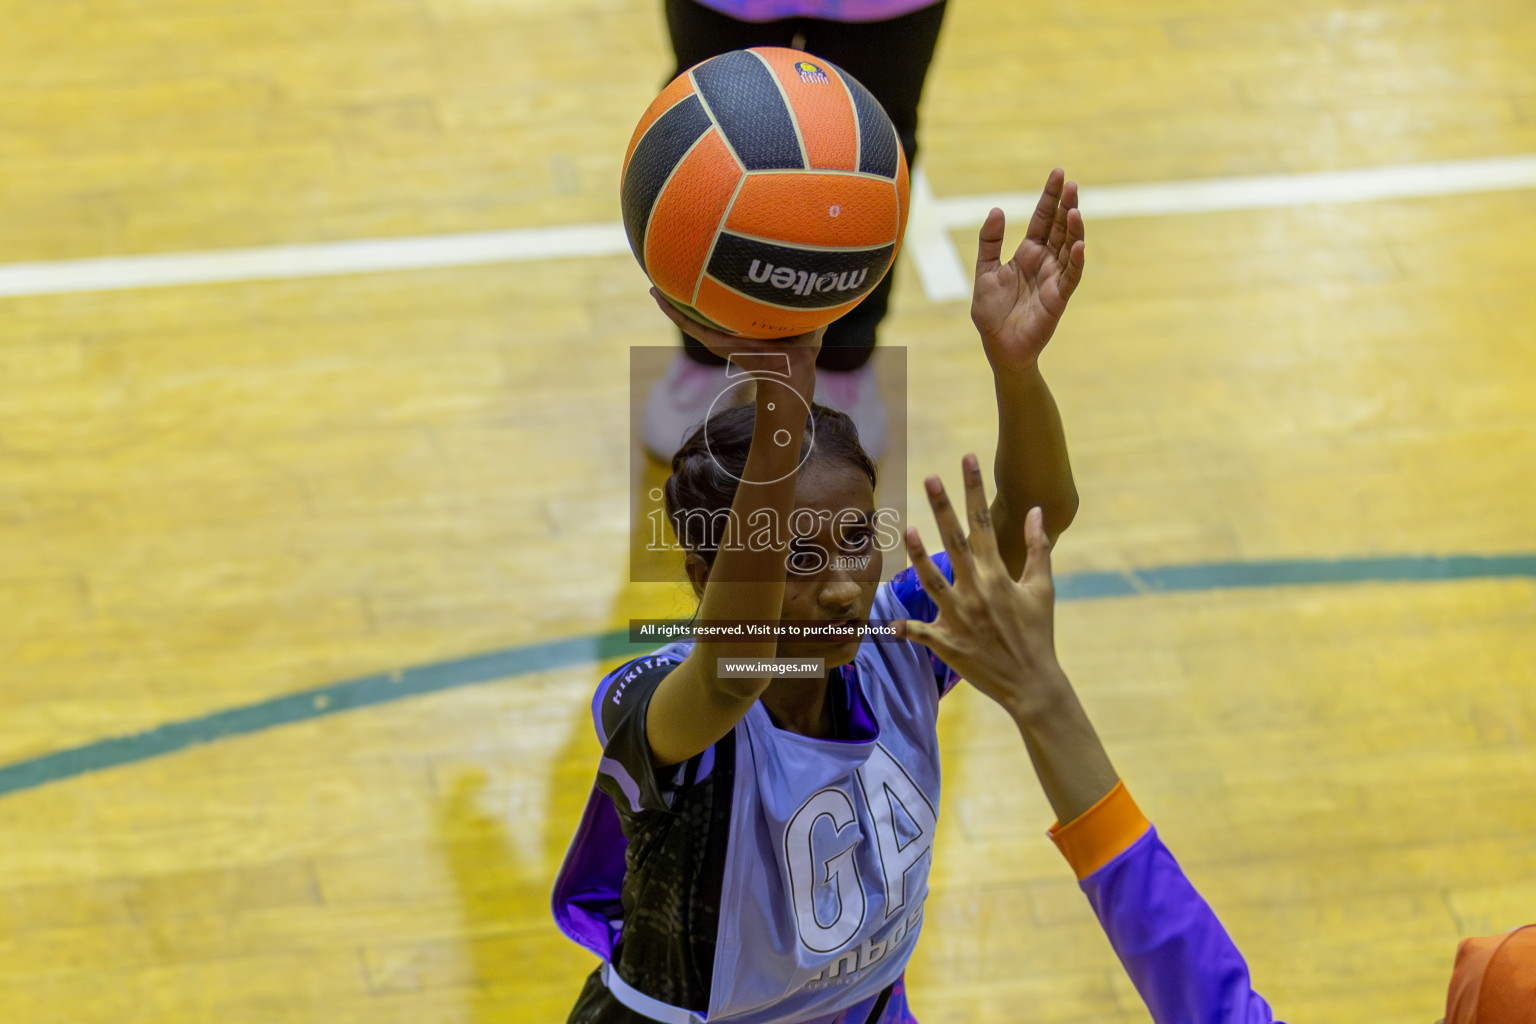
x,y
834,559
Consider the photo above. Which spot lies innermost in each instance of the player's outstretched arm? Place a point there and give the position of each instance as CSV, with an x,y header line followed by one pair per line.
x,y
998,632
694,706
1016,306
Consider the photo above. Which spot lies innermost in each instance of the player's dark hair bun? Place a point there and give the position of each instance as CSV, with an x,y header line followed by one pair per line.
x,y
705,474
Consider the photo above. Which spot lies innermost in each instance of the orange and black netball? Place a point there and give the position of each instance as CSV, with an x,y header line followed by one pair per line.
x,y
764,192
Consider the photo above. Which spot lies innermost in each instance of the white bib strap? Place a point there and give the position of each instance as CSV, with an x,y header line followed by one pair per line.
x,y
655,1009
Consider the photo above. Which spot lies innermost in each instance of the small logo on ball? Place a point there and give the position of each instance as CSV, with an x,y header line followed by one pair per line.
x,y
810,73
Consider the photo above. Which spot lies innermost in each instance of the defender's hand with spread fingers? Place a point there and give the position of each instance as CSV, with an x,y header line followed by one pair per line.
x,y
999,633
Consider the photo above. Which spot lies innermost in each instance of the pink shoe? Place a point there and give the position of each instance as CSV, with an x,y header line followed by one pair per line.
x,y
678,403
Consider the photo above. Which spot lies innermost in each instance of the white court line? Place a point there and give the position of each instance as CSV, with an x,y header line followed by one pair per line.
x,y
1106,202
943,275
319,259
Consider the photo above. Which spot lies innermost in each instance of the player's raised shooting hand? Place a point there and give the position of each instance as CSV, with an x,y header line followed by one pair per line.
x,y
1017,305
801,349
995,631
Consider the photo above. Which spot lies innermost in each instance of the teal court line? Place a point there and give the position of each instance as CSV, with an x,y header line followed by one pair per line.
x,y
513,662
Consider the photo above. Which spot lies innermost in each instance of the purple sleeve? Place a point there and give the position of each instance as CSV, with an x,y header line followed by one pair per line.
x,y
627,771
588,892
1176,952
920,606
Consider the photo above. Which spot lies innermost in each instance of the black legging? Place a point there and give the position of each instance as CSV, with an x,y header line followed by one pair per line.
x,y
890,58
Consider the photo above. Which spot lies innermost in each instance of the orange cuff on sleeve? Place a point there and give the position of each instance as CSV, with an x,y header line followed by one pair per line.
x,y
1101,833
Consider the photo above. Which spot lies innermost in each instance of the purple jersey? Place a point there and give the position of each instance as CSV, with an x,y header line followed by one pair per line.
x,y
825,10
824,866
1180,958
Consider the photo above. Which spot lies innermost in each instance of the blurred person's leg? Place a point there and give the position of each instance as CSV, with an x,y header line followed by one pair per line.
x,y
679,401
890,59
682,396
699,33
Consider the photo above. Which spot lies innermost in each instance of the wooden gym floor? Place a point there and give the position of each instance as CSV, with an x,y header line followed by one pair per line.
x,y
305,582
